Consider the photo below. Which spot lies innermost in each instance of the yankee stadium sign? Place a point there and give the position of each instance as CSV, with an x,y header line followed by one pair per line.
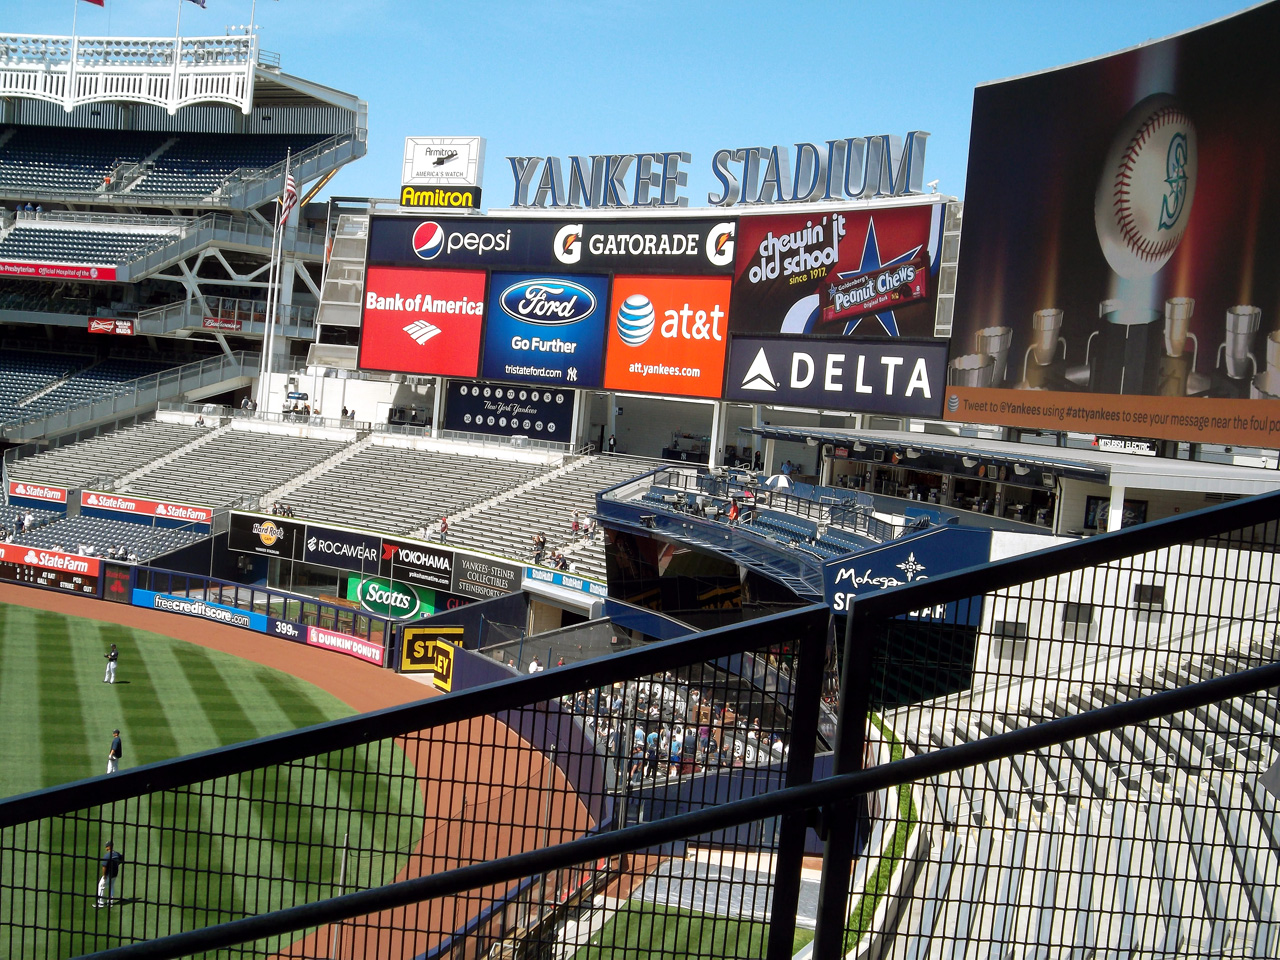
x,y
854,168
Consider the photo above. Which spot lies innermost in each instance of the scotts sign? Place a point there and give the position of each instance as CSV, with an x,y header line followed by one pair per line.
x,y
387,598
854,168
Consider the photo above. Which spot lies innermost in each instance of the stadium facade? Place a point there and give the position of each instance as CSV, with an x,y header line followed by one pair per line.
x,y
456,444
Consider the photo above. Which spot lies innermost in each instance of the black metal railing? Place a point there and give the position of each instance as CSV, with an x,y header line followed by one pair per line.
x,y
1060,753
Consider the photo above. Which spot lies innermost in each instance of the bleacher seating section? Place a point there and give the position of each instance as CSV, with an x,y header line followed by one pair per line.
x,y
78,246
110,455
194,165
65,160
508,526
396,490
73,380
232,465
72,533
1046,820
23,373
199,163
10,517
50,296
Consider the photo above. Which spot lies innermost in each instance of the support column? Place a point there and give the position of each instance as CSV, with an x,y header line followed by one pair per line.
x,y
768,457
1115,511
715,456
437,404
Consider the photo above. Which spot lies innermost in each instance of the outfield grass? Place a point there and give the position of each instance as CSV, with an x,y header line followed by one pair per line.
x,y
254,843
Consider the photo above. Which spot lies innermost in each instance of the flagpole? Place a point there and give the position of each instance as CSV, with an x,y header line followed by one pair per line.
x,y
71,69
277,256
264,383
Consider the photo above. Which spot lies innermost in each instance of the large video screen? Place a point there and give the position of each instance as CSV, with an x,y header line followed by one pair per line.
x,y
1117,266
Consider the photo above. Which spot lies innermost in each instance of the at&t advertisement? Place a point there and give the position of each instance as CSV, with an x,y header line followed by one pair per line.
x,y
668,335
1117,270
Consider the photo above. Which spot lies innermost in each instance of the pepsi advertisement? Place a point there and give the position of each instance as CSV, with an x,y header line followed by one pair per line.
x,y
684,247
546,329
508,411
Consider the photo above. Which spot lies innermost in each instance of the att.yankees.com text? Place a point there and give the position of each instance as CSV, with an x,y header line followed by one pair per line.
x,y
661,369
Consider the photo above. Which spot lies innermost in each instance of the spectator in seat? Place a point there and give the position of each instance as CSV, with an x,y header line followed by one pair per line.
x,y
444,529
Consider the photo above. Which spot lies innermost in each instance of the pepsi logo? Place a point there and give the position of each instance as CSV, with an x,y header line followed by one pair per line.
x,y
547,302
636,319
428,240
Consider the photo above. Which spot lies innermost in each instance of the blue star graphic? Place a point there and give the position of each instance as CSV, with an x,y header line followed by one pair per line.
x,y
871,261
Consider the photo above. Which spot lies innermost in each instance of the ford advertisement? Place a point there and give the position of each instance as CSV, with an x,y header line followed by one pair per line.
x,y
546,329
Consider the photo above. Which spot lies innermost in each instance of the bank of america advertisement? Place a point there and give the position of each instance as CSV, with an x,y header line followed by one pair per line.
x,y
1117,270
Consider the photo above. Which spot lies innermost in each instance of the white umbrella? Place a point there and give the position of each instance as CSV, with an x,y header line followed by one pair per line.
x,y
779,481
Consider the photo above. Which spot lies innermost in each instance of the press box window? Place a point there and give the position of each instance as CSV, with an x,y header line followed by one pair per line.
x,y
1077,618
1009,637
1148,600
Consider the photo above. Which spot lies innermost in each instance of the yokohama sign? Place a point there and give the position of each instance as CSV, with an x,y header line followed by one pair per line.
x,y
97,500
37,491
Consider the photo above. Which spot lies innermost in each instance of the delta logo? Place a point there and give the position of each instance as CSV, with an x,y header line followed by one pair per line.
x,y
668,335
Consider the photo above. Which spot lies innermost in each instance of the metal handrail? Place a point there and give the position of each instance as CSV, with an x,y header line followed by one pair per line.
x,y
830,795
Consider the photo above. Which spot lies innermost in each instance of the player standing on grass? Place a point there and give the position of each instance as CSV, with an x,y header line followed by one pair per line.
x,y
115,753
110,861
112,656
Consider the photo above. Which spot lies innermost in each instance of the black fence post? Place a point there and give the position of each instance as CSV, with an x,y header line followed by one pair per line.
x,y
806,694
841,820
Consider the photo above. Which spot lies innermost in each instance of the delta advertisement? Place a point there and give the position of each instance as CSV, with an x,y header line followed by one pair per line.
x,y
546,329
422,321
865,272
877,375
1117,272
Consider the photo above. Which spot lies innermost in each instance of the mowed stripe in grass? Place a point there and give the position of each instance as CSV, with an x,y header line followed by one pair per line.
x,y
264,840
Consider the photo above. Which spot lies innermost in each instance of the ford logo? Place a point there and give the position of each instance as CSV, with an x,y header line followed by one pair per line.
x,y
549,303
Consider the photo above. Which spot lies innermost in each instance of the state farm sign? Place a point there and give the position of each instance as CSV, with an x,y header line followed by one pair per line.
x,y
49,559
98,500
37,491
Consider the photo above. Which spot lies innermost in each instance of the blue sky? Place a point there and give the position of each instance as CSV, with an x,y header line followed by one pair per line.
x,y
615,76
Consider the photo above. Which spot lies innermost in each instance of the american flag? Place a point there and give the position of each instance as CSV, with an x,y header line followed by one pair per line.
x,y
290,198
97,3
199,3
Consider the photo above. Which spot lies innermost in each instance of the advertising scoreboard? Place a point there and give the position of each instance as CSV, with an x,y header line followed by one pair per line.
x,y
657,305
33,566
